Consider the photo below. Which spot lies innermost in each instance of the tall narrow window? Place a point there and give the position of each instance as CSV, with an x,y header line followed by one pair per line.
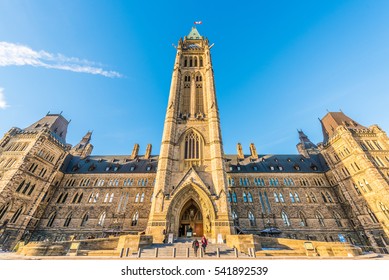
x,y
244,197
51,219
337,219
192,146
234,198
250,197
285,219
267,202
101,219
68,220
135,218
142,197
372,215
303,220
384,209
4,210
137,197
320,218
251,219
84,219
16,215
235,218
262,204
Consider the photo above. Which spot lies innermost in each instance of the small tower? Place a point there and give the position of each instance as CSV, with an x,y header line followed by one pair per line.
x,y
84,148
305,147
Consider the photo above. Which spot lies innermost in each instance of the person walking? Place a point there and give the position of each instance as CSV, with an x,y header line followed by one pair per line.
x,y
204,243
195,246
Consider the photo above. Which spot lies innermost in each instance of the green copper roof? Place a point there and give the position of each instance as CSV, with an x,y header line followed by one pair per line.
x,y
194,34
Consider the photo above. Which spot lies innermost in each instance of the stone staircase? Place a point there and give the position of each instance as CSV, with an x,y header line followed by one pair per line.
x,y
182,249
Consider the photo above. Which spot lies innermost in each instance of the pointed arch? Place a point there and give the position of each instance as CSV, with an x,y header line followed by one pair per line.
x,y
244,197
285,218
85,219
303,220
51,219
320,218
4,209
251,219
135,218
250,197
101,220
68,219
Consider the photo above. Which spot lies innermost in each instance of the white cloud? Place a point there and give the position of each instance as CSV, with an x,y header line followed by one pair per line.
x,y
19,55
3,104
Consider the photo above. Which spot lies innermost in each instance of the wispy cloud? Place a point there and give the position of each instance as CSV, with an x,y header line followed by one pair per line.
x,y
19,55
3,103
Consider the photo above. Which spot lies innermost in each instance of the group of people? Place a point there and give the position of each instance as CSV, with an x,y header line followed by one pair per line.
x,y
196,244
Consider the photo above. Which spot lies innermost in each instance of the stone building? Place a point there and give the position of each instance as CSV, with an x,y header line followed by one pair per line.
x,y
336,190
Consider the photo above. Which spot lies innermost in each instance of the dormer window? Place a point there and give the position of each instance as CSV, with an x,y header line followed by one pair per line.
x,y
280,168
231,168
297,167
255,168
238,168
148,168
271,167
116,168
314,167
132,168
301,159
107,168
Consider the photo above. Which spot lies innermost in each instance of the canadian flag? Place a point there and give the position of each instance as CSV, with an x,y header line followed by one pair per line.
x,y
198,22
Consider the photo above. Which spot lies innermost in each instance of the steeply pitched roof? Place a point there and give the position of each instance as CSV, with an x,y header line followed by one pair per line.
x,y
194,34
334,119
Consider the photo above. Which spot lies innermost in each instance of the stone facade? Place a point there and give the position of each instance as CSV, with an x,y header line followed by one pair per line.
x,y
334,191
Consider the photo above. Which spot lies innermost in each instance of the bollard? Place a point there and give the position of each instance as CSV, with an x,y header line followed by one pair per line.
x,y
174,252
201,252
187,252
121,252
127,252
253,253
218,252
156,253
139,253
236,252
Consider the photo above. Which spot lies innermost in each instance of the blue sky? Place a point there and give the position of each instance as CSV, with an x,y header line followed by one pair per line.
x,y
279,65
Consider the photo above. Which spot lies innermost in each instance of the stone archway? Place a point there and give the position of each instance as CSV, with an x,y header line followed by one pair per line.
x,y
190,197
191,222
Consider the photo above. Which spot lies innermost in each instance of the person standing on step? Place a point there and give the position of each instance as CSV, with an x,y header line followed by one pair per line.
x,y
195,246
204,243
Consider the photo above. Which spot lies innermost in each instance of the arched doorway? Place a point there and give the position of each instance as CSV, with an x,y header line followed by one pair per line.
x,y
191,220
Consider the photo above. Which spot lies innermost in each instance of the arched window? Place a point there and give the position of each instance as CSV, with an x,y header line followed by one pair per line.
x,y
111,198
68,220
64,198
384,209
372,215
201,61
296,196
234,198
285,219
51,219
84,219
229,196
20,186
137,197
195,61
80,198
276,199
250,197
235,218
303,221
75,198
101,219
329,197
251,219
3,210
16,215
192,146
337,219
282,198
106,197
191,62
135,218
244,197
324,198
313,197
292,198
142,197
186,61
320,218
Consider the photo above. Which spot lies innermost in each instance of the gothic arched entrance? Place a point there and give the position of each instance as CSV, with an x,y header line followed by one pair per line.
x,y
191,220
